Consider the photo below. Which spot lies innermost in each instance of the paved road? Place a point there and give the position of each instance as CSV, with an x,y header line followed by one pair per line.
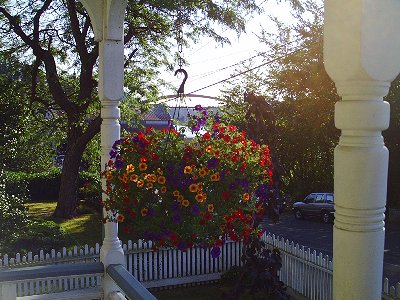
x,y
318,236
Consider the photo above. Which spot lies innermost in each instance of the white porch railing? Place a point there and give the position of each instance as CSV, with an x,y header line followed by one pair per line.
x,y
303,270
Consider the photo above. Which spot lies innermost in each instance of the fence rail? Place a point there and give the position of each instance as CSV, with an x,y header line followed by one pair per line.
x,y
305,271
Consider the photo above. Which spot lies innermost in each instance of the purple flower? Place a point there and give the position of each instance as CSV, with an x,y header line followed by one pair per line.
x,y
212,163
198,107
119,164
215,252
150,212
182,245
116,143
205,112
174,206
201,121
176,218
135,139
195,127
113,153
195,210
217,119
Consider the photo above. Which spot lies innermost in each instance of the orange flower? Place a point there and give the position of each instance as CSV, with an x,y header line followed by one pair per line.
x,y
124,178
209,149
120,218
185,203
152,178
161,180
144,212
215,177
180,198
163,189
200,197
246,197
134,178
216,153
142,166
193,188
130,168
175,193
140,183
187,170
203,172
149,185
109,176
210,207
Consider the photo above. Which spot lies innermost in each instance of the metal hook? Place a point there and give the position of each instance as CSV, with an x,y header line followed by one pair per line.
x,y
181,89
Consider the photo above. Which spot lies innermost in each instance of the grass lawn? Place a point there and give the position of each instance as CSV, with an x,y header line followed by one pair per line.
x,y
83,229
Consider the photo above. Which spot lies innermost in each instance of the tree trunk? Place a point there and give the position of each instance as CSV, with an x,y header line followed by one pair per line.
x,y
67,202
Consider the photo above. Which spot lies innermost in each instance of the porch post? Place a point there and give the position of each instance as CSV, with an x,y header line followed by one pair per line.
x,y
107,18
362,56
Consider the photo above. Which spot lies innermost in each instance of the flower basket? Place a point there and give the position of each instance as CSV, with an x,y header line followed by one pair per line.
x,y
179,192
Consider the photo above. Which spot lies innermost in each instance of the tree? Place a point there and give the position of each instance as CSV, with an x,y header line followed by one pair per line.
x,y
56,39
302,105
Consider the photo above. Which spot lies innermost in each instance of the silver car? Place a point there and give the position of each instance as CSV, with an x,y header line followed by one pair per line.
x,y
315,205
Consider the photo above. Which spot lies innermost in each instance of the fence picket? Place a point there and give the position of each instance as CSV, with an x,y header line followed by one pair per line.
x,y
302,269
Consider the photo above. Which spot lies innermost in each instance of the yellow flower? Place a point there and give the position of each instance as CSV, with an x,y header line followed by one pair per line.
x,y
134,178
144,212
161,180
203,171
210,207
152,177
163,189
124,178
187,170
200,197
215,177
142,166
159,171
193,188
246,197
185,203
209,149
140,183
130,168
149,185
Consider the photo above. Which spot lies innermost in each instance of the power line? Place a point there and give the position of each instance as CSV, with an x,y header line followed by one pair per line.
x,y
240,73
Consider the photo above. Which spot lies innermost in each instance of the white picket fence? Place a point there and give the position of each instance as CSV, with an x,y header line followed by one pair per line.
x,y
303,270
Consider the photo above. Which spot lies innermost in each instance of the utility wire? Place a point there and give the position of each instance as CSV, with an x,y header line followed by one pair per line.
x,y
240,73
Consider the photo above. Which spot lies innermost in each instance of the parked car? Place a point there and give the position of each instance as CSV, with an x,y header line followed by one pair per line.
x,y
315,205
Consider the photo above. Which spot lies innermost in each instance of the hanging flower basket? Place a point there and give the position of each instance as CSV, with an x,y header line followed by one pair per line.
x,y
179,192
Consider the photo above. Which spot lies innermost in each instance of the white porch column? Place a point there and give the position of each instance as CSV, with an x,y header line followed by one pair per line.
x,y
107,17
362,56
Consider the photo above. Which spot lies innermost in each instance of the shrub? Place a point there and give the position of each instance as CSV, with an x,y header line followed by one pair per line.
x,y
259,274
13,215
46,185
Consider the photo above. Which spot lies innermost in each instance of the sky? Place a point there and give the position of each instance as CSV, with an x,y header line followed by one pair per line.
x,y
209,62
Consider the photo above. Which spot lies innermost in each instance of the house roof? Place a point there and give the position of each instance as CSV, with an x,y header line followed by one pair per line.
x,y
157,112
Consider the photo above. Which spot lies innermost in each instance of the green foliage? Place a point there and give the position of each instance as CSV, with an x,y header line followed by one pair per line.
x,y
296,112
18,231
45,185
13,215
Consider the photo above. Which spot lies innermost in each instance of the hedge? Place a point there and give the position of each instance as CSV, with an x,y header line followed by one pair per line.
x,y
41,186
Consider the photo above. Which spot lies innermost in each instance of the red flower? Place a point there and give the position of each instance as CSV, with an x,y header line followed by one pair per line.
x,y
149,129
243,166
140,135
215,126
154,156
207,136
226,195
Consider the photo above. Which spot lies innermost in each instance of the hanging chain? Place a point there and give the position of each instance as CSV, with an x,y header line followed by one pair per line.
x,y
179,37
